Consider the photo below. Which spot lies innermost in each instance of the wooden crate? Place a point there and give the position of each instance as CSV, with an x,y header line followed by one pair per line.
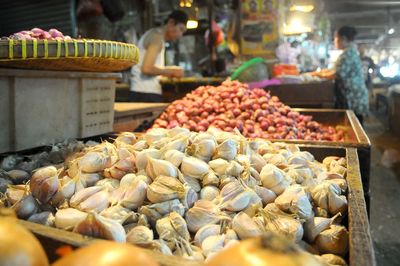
x,y
394,113
128,116
44,107
308,95
355,138
361,251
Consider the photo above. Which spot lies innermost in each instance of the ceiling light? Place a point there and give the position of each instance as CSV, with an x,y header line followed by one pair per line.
x,y
192,24
302,8
391,31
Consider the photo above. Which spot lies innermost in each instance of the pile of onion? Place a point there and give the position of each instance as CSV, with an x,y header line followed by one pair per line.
x,y
255,113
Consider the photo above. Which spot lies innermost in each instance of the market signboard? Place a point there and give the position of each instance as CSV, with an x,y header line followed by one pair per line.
x,y
259,27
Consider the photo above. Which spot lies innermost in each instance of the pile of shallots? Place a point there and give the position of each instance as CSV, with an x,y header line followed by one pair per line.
x,y
253,112
191,194
38,34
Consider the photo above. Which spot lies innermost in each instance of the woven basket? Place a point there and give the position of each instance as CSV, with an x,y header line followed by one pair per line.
x,y
73,55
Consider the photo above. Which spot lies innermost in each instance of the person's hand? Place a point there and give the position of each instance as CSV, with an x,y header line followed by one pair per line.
x,y
175,72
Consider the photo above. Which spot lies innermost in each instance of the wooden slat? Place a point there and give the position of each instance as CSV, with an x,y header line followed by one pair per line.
x,y
361,249
126,109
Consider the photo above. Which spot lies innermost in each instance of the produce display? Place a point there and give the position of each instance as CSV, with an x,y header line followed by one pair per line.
x,y
38,34
189,194
255,113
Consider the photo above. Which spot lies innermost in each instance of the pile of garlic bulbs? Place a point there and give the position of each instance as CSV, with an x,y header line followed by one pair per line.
x,y
191,194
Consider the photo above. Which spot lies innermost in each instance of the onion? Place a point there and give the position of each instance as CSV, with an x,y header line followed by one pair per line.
x,y
107,253
18,246
268,250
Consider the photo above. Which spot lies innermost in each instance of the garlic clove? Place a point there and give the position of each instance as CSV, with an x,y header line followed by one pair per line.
x,y
140,145
333,240
44,183
142,157
155,168
210,179
93,162
67,218
26,207
238,203
202,213
140,235
96,202
120,214
165,188
332,259
227,150
245,227
101,227
127,180
314,226
134,195
154,134
109,184
84,194
44,218
179,225
173,156
206,231
219,166
213,244
194,167
209,193
266,195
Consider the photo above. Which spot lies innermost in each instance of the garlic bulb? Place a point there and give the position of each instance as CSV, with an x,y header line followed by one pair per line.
x,y
154,134
173,156
203,148
156,211
178,131
193,182
140,235
142,157
44,183
219,166
109,184
213,244
266,195
93,162
333,240
44,218
227,150
133,195
101,227
120,214
127,180
84,194
245,227
274,179
315,225
206,231
209,193
96,203
67,218
276,159
203,212
126,137
284,225
257,161
155,168
294,200
140,145
172,227
165,188
194,167
234,169
26,207
332,259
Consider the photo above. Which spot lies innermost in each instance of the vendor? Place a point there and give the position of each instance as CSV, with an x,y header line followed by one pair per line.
x,y
351,92
145,85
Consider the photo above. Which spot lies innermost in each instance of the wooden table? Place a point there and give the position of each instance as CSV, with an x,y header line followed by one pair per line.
x,y
129,116
307,95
